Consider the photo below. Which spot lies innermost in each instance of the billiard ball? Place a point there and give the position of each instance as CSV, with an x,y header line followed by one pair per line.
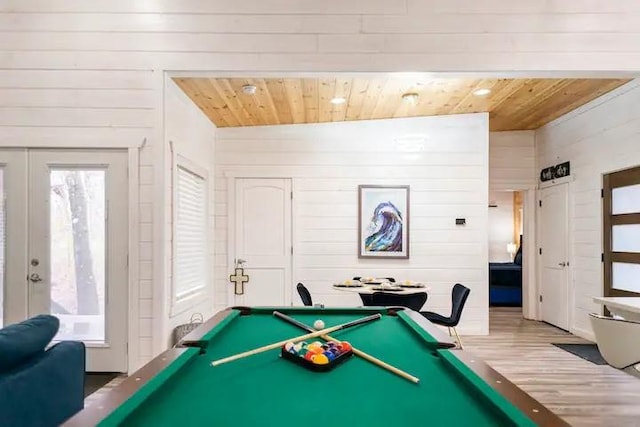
x,y
320,359
289,346
345,346
318,324
329,355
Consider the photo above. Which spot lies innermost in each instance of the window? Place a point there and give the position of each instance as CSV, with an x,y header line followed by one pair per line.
x,y
621,214
190,232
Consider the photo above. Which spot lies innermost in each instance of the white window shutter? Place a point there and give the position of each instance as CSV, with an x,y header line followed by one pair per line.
x,y
190,233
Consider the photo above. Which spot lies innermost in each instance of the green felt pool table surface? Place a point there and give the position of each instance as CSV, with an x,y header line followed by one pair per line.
x,y
266,390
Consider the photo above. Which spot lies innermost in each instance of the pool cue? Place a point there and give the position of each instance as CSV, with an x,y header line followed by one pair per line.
x,y
296,339
357,352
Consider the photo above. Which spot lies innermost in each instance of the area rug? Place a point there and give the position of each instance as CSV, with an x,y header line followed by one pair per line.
x,y
585,351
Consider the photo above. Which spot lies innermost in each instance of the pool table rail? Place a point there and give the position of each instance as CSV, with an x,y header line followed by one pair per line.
x,y
533,409
114,398
196,337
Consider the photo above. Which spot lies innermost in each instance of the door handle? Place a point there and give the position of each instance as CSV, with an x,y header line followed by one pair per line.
x,y
562,264
35,278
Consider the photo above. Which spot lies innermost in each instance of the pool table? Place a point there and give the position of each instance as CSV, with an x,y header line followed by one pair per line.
x,y
181,388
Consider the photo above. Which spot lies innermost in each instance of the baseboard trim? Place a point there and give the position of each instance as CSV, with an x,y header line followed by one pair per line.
x,y
584,333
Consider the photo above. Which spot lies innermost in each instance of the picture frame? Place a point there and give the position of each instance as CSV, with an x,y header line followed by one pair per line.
x,y
383,221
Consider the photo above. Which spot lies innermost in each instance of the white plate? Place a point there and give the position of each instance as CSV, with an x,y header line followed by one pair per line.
x,y
349,283
411,284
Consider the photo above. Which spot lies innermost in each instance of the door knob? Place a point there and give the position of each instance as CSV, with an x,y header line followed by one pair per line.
x,y
35,277
562,264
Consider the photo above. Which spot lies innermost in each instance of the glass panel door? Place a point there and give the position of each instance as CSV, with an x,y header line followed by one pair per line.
x,y
621,232
77,252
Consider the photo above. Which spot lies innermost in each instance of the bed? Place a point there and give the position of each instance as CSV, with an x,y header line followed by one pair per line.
x,y
505,282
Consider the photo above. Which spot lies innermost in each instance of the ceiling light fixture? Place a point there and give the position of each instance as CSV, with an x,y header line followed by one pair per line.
x,y
482,92
338,100
410,97
249,89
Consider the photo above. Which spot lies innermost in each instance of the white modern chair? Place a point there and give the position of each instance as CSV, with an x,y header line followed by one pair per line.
x,y
618,340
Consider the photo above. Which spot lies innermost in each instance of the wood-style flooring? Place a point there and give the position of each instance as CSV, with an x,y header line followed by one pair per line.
x,y
580,392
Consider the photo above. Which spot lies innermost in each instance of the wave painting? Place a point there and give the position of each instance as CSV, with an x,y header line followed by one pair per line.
x,y
384,233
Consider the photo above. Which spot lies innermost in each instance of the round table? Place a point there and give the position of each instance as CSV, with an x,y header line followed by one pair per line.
x,y
366,291
370,289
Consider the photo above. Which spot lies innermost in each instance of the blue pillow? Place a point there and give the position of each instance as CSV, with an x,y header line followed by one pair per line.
x,y
21,341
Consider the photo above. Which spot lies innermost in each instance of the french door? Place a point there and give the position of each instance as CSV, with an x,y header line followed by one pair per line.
x,y
66,246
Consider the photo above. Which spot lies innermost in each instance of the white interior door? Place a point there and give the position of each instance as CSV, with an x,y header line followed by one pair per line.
x,y
77,249
263,239
554,267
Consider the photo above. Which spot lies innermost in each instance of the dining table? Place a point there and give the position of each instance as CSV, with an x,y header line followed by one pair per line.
x,y
368,287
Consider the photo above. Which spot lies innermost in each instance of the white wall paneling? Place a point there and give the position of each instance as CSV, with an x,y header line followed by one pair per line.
x,y
327,162
512,160
598,138
190,136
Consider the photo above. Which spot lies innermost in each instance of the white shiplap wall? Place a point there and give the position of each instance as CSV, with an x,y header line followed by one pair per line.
x,y
328,161
86,72
600,137
191,135
512,158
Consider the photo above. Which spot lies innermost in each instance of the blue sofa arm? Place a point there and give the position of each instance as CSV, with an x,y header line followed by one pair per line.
x,y
45,390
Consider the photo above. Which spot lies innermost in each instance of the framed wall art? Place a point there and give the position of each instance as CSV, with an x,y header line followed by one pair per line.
x,y
383,221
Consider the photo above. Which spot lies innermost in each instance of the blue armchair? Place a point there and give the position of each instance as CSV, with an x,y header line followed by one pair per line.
x,y
38,386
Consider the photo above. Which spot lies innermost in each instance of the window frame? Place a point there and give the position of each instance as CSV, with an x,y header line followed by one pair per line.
x,y
183,302
612,181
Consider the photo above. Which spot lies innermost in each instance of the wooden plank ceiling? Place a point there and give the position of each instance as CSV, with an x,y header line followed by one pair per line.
x,y
513,104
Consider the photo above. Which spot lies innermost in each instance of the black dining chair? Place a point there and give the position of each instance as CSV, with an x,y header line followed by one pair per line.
x,y
367,299
305,296
459,295
414,301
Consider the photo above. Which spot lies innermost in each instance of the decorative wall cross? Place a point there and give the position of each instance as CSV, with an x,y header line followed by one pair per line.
x,y
239,278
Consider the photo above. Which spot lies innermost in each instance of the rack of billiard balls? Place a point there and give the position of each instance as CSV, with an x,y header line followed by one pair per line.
x,y
317,356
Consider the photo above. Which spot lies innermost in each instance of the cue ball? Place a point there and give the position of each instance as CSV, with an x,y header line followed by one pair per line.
x,y
318,324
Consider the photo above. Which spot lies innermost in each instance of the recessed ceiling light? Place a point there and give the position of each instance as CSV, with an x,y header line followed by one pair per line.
x,y
338,100
482,92
411,97
249,89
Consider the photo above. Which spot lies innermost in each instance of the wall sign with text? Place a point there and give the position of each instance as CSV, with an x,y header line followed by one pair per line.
x,y
555,172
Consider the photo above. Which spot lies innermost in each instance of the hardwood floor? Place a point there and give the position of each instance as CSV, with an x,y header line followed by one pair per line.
x,y
582,393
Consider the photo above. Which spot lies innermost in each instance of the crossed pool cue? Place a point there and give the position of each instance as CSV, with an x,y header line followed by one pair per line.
x,y
357,352
296,339
324,334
